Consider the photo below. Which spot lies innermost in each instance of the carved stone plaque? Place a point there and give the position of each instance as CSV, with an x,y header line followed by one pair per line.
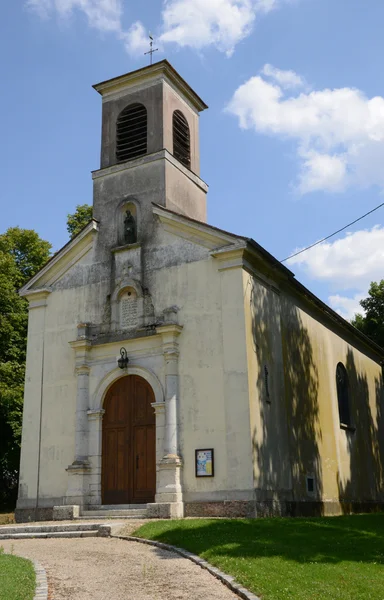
x,y
128,310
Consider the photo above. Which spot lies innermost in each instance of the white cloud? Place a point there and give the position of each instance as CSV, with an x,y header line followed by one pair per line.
x,y
200,23
193,23
286,79
136,39
345,306
350,263
104,15
321,172
339,133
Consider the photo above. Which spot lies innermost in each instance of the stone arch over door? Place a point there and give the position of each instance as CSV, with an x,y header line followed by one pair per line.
x,y
128,472
95,418
115,374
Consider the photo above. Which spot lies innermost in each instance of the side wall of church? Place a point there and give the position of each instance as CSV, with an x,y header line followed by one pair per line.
x,y
292,357
270,445
347,465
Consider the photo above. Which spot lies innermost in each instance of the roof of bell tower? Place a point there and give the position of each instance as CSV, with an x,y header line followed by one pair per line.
x,y
162,70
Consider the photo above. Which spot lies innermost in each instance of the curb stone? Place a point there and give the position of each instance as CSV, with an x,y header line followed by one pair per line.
x,y
227,580
41,582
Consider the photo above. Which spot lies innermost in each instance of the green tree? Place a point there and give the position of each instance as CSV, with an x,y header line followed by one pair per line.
x,y
79,219
22,254
372,324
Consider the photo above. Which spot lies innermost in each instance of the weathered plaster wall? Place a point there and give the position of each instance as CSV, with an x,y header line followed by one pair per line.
x,y
296,431
32,405
50,359
214,406
271,464
347,465
184,193
171,102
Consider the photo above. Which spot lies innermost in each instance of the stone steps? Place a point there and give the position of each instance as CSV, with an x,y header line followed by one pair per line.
x,y
114,513
124,511
49,534
110,517
75,530
118,507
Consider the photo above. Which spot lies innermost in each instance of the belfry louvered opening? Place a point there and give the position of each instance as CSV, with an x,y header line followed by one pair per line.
x,y
131,134
181,139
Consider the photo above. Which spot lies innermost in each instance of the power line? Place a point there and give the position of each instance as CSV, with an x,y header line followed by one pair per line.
x,y
332,234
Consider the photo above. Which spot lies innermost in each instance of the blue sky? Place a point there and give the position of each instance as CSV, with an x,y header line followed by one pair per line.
x,y
292,145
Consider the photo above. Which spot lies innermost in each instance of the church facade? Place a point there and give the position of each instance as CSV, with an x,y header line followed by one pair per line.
x,y
177,366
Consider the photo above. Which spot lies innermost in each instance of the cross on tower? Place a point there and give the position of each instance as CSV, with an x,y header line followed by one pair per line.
x,y
151,50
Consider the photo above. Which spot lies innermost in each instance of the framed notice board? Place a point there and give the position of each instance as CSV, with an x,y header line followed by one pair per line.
x,y
204,462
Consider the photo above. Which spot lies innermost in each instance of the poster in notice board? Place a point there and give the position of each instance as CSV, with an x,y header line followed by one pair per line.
x,y
204,462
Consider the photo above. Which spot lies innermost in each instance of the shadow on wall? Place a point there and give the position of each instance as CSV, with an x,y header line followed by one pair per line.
x,y
364,476
285,441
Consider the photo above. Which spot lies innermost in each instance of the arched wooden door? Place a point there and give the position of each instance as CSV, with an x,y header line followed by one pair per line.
x,y
129,443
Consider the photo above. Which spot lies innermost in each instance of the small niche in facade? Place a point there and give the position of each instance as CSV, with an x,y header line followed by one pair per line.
x,y
128,224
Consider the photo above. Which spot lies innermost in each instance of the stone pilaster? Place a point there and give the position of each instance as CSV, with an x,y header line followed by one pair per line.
x,y
169,496
81,433
34,402
79,470
95,431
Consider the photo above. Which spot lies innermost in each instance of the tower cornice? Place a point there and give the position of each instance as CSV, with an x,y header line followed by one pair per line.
x,y
162,69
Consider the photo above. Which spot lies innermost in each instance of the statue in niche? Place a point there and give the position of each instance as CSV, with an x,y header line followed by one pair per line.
x,y
130,231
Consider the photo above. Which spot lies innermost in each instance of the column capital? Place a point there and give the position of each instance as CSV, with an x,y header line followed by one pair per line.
x,y
95,415
169,335
82,349
82,369
159,407
171,352
37,298
81,345
169,332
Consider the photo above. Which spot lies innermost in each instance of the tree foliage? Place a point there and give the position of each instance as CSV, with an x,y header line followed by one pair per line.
x,y
22,254
372,324
79,219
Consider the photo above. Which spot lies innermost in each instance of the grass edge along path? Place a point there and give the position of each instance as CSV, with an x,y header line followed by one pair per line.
x,y
335,558
17,577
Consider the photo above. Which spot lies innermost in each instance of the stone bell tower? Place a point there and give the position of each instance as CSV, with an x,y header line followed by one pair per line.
x,y
150,143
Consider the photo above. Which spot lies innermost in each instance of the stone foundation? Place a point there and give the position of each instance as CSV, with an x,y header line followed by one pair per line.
x,y
246,509
165,510
250,509
66,513
29,515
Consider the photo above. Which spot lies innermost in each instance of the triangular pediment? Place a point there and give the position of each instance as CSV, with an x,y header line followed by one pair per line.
x,y
73,253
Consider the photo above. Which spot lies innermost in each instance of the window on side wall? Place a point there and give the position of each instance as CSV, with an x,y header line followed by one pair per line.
x,y
343,395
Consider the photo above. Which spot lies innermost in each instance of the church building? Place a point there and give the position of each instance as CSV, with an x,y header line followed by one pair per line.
x,y
180,368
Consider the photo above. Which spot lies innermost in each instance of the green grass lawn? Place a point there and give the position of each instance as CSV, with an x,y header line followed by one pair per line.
x,y
17,578
337,558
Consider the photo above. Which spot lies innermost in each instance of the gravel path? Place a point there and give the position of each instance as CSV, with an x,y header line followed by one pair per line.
x,y
112,569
